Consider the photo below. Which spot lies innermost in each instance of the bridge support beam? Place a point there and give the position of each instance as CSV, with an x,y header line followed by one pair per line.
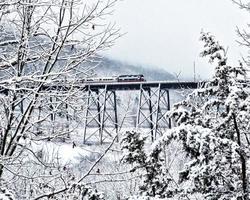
x,y
152,108
101,112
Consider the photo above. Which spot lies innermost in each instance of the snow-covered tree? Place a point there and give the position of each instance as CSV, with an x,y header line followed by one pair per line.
x,y
45,50
5,194
213,129
155,181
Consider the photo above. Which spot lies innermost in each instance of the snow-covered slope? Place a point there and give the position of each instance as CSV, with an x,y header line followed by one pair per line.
x,y
109,67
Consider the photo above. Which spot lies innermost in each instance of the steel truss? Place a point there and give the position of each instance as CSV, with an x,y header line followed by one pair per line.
x,y
101,113
153,105
101,118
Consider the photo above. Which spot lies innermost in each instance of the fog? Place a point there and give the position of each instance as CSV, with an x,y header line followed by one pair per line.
x,y
165,33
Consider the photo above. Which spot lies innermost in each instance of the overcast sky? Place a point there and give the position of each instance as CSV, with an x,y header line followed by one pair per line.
x,y
165,33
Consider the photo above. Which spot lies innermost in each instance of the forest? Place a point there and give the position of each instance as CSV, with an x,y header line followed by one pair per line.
x,y
47,49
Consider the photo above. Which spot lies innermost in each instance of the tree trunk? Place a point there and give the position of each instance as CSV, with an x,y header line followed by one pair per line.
x,y
243,162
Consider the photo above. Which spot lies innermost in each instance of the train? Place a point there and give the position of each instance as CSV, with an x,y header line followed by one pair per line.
x,y
120,78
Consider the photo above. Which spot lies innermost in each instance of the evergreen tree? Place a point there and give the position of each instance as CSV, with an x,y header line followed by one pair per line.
x,y
155,181
214,132
213,128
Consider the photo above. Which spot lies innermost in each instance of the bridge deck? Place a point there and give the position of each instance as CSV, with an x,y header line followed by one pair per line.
x,y
145,85
115,86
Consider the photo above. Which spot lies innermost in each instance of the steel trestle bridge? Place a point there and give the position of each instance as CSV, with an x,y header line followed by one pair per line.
x,y
101,106
153,104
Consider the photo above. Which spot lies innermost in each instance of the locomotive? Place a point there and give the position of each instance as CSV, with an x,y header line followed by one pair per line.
x,y
131,78
120,78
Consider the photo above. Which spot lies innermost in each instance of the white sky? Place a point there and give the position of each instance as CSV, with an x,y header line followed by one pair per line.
x,y
165,33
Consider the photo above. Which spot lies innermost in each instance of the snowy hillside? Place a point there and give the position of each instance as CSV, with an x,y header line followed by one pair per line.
x,y
108,67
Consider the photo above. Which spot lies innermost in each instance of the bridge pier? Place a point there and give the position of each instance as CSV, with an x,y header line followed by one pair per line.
x,y
153,105
101,110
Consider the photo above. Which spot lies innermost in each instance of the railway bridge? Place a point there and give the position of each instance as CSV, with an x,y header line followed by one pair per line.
x,y
153,103
101,114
